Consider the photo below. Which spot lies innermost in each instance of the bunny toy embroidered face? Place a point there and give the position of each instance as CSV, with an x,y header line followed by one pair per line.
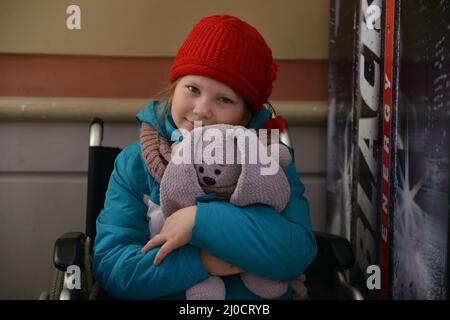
x,y
217,175
219,178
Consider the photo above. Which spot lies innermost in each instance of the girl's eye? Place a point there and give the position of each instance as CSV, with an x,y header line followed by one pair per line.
x,y
225,100
192,89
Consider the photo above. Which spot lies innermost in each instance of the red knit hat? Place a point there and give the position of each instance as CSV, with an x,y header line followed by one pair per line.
x,y
231,51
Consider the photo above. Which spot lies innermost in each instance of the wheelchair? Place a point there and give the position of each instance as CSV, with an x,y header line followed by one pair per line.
x,y
324,279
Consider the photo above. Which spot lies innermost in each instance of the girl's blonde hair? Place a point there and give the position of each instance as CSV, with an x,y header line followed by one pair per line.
x,y
167,93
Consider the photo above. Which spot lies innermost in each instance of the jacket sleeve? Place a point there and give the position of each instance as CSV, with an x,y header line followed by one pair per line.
x,y
257,238
122,230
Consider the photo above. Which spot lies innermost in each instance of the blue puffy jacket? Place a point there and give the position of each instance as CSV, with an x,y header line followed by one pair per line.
x,y
255,238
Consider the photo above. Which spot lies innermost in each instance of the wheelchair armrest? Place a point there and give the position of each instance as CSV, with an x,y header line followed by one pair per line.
x,y
68,250
324,278
338,249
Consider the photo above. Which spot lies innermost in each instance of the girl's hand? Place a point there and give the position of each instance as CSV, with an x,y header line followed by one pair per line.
x,y
176,232
217,267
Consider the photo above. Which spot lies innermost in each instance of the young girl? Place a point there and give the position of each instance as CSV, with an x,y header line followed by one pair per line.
x,y
223,73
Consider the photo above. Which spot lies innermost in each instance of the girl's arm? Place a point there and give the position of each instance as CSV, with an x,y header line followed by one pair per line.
x,y
258,239
122,229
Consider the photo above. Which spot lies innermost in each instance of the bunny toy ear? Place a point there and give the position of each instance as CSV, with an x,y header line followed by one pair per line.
x,y
284,156
179,184
255,187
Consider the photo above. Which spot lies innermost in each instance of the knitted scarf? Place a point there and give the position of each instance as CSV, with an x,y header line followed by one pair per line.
x,y
155,150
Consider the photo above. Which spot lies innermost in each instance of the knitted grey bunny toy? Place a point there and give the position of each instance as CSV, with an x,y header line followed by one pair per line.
x,y
243,182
